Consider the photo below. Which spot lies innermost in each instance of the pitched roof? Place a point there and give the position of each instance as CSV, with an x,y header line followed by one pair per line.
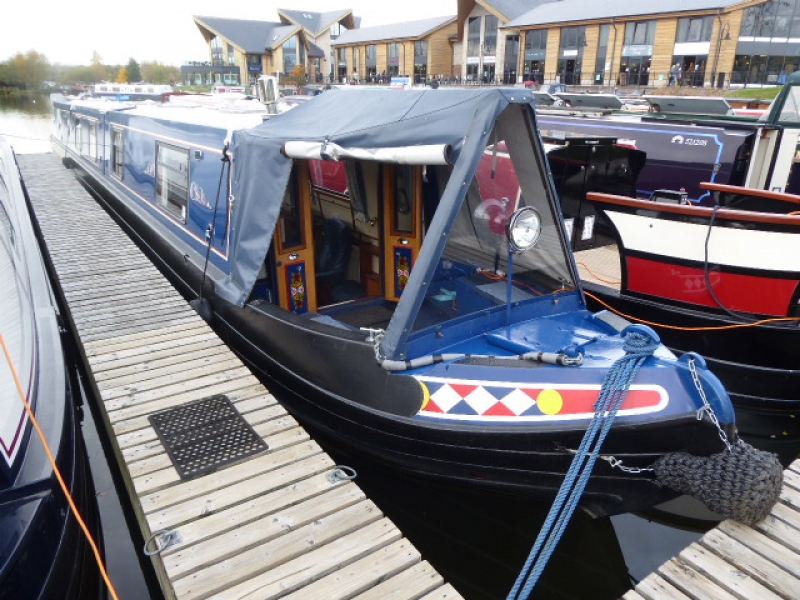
x,y
512,9
314,22
251,36
407,30
565,11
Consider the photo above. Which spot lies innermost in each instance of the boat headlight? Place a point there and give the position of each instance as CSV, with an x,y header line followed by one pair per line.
x,y
523,229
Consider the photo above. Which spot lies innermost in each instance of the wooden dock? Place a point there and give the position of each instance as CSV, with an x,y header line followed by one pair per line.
x,y
269,526
736,562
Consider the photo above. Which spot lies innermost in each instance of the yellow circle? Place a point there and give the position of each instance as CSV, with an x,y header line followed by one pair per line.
x,y
426,395
550,402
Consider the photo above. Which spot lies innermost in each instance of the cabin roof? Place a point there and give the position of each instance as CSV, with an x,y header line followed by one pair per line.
x,y
251,36
406,30
560,11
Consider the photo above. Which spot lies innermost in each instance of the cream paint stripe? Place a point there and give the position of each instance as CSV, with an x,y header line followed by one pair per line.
x,y
745,248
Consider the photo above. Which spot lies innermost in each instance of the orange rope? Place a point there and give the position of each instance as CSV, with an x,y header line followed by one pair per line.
x,y
596,276
57,472
710,328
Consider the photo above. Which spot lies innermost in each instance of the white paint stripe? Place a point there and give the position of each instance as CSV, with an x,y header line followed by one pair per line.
x,y
745,248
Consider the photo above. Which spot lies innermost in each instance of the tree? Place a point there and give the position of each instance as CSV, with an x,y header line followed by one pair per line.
x,y
30,69
122,76
134,74
155,72
98,70
297,76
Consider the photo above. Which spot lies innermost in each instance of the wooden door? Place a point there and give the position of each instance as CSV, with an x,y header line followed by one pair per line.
x,y
402,225
294,248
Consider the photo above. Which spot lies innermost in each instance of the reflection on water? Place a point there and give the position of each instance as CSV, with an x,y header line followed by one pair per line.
x,y
26,122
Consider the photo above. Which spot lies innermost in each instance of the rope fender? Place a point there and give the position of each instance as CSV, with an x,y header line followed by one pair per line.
x,y
742,483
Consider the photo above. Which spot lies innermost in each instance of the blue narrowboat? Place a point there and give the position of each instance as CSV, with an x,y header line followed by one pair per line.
x,y
359,252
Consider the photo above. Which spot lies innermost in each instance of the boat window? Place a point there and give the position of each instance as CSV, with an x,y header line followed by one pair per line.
x,y
172,179
117,153
472,273
291,219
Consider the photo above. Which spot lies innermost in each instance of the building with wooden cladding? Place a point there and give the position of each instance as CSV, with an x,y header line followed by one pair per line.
x,y
577,42
241,50
693,42
423,49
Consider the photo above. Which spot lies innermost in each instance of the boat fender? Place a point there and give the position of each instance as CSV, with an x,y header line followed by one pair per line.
x,y
742,483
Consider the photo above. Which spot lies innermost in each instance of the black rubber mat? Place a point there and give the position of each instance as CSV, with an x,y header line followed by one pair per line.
x,y
204,435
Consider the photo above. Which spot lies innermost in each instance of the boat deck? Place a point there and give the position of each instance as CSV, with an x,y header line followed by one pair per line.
x,y
733,561
271,525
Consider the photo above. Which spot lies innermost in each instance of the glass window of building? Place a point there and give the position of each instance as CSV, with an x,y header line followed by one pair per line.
x,y
420,61
341,62
474,36
695,29
231,55
216,52
570,54
372,63
769,44
510,60
393,58
289,54
490,35
637,53
535,51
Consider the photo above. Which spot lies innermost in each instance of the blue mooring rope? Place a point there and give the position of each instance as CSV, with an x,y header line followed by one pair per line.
x,y
640,342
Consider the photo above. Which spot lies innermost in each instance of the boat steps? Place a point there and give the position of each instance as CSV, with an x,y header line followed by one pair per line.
x,y
271,525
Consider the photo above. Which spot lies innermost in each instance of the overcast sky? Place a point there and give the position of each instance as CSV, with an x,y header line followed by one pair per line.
x,y
68,32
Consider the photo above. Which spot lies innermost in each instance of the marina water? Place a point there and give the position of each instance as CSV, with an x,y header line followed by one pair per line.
x,y
477,541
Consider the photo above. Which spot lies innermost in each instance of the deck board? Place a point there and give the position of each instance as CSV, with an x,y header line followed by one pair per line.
x,y
272,525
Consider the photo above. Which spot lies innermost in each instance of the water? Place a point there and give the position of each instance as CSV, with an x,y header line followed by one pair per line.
x,y
477,541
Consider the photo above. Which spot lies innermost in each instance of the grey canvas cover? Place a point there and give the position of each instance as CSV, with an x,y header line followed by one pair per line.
x,y
356,118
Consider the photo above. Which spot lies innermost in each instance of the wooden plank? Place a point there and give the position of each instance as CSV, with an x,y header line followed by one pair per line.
x,y
285,565
655,587
446,592
399,562
744,560
761,544
276,581
194,555
725,575
692,583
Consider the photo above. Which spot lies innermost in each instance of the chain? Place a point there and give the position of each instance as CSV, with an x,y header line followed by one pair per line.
x,y
706,408
617,463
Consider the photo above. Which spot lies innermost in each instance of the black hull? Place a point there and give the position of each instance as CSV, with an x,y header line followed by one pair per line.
x,y
319,368
759,366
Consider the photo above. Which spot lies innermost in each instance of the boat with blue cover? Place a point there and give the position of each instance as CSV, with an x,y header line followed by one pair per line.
x,y
43,552
419,314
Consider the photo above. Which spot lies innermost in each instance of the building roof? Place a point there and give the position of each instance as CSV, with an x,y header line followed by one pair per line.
x,y
512,9
406,30
251,36
565,11
314,22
